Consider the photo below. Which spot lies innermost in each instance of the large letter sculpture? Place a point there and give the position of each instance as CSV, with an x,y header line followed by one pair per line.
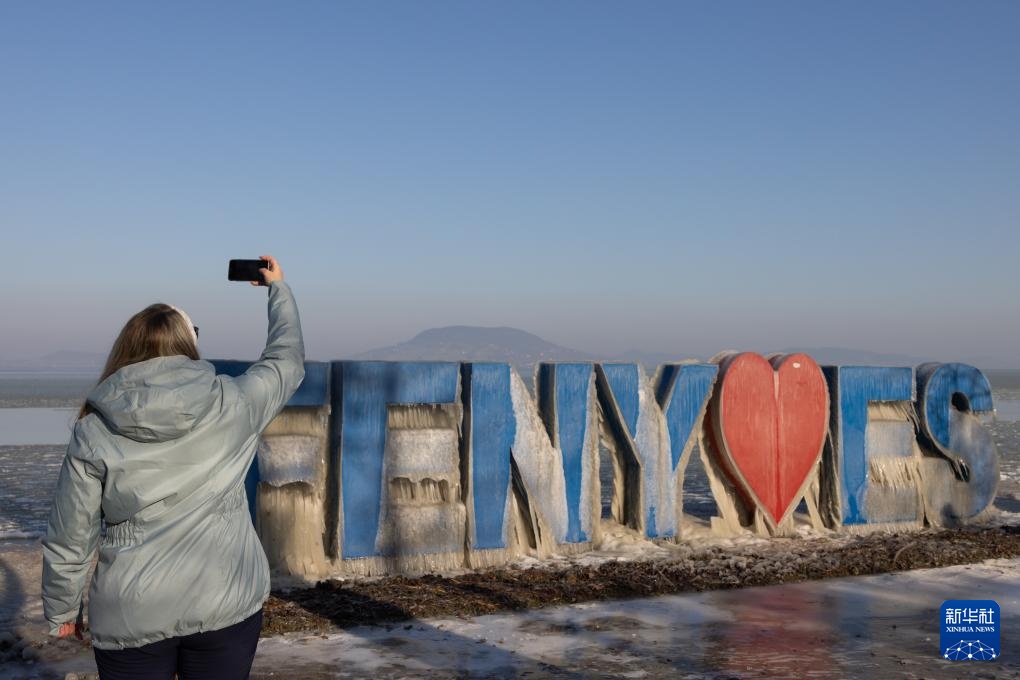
x,y
948,398
403,467
566,401
860,444
636,465
421,485
489,431
653,431
682,392
545,452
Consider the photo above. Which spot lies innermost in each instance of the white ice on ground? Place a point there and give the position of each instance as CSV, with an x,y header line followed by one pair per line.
x,y
877,626
14,533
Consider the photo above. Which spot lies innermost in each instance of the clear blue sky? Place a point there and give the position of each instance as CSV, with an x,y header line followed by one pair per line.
x,y
674,176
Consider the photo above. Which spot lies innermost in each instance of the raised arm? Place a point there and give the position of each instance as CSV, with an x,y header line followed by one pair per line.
x,y
72,535
270,382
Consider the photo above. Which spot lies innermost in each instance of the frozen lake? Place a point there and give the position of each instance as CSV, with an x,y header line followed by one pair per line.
x,y
1007,409
28,426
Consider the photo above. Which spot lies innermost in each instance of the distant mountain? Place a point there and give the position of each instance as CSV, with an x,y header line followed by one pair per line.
x,y
520,349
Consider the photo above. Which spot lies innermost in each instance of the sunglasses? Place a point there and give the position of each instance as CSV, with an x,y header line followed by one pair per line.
x,y
196,330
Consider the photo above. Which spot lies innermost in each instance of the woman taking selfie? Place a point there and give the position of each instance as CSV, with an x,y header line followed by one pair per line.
x,y
159,453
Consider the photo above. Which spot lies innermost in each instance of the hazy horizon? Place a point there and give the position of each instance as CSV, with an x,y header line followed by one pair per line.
x,y
672,177
499,339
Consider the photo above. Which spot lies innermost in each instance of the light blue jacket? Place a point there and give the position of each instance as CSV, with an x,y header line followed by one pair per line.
x,y
162,461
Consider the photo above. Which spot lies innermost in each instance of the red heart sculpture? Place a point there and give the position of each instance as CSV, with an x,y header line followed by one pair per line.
x,y
769,422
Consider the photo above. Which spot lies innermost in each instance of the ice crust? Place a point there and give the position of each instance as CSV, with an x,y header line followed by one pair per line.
x,y
540,463
284,459
423,512
661,485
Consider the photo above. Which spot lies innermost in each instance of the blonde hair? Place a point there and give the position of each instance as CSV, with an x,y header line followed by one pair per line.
x,y
159,330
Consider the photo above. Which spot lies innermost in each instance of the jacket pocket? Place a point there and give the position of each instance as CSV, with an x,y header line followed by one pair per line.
x,y
122,535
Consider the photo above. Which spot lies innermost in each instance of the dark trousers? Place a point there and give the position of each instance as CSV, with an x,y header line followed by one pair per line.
x,y
224,654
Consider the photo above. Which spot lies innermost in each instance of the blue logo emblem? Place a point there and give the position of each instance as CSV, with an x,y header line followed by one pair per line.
x,y
970,630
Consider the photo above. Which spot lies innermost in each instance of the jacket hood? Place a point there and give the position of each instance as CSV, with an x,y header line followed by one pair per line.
x,y
156,400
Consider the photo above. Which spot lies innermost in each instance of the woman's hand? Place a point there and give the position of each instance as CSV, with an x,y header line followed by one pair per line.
x,y
271,273
70,628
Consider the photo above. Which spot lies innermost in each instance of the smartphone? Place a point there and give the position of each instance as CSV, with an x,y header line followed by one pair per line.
x,y
247,270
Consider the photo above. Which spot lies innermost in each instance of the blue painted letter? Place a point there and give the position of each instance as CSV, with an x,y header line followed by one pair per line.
x,y
851,389
362,392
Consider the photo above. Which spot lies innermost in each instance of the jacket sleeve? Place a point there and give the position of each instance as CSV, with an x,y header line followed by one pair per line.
x,y
72,534
270,382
